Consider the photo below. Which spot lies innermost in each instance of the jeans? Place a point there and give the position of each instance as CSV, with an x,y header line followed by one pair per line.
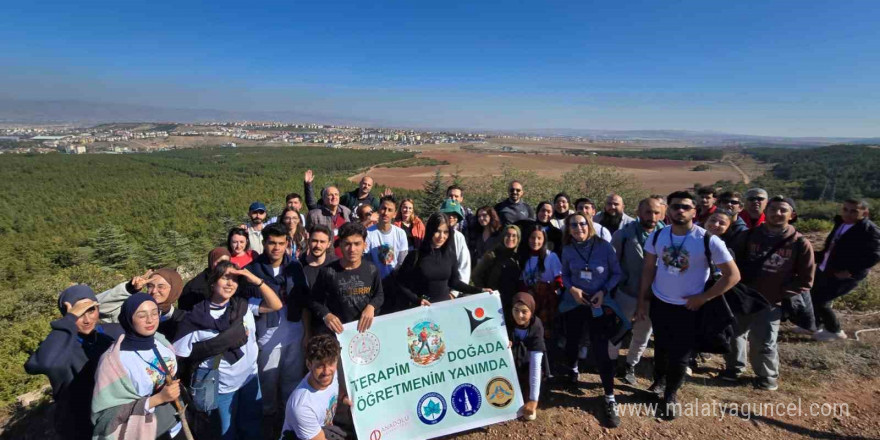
x,y
641,331
675,330
282,366
575,322
238,415
827,288
759,330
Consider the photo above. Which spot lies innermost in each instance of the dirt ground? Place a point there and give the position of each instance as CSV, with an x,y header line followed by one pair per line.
x,y
661,176
827,391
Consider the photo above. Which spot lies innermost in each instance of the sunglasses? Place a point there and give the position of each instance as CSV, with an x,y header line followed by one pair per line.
x,y
681,207
259,211
731,202
515,190
577,225
757,199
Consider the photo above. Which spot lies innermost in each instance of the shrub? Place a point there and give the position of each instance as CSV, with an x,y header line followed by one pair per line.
x,y
814,225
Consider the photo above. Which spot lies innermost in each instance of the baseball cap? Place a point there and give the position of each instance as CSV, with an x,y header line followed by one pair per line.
x,y
257,206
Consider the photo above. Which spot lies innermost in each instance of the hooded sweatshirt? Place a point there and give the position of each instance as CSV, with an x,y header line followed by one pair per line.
x,y
788,272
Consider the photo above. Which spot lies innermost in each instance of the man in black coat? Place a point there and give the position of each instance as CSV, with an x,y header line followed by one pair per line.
x,y
851,249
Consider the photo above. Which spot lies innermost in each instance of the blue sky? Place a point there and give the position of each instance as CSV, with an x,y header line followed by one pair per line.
x,y
789,68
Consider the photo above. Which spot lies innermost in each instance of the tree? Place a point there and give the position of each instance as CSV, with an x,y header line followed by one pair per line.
x,y
433,194
111,247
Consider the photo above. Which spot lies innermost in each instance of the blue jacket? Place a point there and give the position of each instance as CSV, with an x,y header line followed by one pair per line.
x,y
602,263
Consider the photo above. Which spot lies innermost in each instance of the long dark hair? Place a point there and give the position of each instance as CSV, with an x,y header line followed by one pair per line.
x,y
552,211
434,221
525,252
238,231
299,235
494,220
220,270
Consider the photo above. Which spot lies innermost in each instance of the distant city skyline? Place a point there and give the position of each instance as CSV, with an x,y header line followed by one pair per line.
x,y
784,68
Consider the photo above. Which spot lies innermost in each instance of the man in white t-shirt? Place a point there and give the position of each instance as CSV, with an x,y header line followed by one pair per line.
x,y
386,243
312,405
672,290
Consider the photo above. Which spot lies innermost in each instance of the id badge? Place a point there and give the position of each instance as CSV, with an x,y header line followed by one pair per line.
x,y
672,270
587,275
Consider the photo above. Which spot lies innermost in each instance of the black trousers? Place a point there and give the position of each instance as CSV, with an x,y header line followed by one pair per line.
x,y
675,330
575,322
827,288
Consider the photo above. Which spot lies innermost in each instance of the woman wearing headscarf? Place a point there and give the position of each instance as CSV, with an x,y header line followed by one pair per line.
x,y
239,407
427,274
198,289
499,269
164,285
135,389
69,357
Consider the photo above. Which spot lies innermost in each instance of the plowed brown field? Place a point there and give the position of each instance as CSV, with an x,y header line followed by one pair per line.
x,y
662,176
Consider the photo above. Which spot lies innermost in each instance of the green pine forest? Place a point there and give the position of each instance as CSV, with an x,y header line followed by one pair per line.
x,y
99,219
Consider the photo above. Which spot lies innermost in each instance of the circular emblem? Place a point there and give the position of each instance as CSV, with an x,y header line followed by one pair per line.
x,y
431,408
425,343
363,348
466,400
499,392
376,435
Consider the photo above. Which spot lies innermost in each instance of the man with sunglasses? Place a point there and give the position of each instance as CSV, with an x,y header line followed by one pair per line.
x,y
732,201
756,203
851,249
514,208
673,289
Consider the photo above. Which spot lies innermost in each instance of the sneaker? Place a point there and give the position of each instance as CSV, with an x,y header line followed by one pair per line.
x,y
612,414
671,409
826,336
658,388
629,374
729,376
803,331
766,384
570,378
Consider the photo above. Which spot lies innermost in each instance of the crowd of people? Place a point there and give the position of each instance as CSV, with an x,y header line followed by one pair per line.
x,y
248,343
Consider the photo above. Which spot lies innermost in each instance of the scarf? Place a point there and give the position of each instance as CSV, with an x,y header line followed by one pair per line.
x,y
200,319
74,294
173,278
215,255
134,341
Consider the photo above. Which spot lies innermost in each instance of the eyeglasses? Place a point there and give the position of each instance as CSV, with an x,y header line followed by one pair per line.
x,y
145,315
577,225
731,202
681,206
757,199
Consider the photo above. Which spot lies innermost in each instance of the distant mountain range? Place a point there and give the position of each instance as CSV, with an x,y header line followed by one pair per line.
x,y
91,113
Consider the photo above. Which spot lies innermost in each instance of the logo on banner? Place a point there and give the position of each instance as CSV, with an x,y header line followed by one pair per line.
x,y
431,408
466,400
499,392
426,344
364,348
477,317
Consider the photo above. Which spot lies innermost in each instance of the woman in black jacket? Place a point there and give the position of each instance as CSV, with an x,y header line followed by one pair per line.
x,y
69,357
428,274
198,289
499,269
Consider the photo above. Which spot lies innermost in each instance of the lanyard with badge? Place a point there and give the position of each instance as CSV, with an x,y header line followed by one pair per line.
x,y
675,253
586,273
